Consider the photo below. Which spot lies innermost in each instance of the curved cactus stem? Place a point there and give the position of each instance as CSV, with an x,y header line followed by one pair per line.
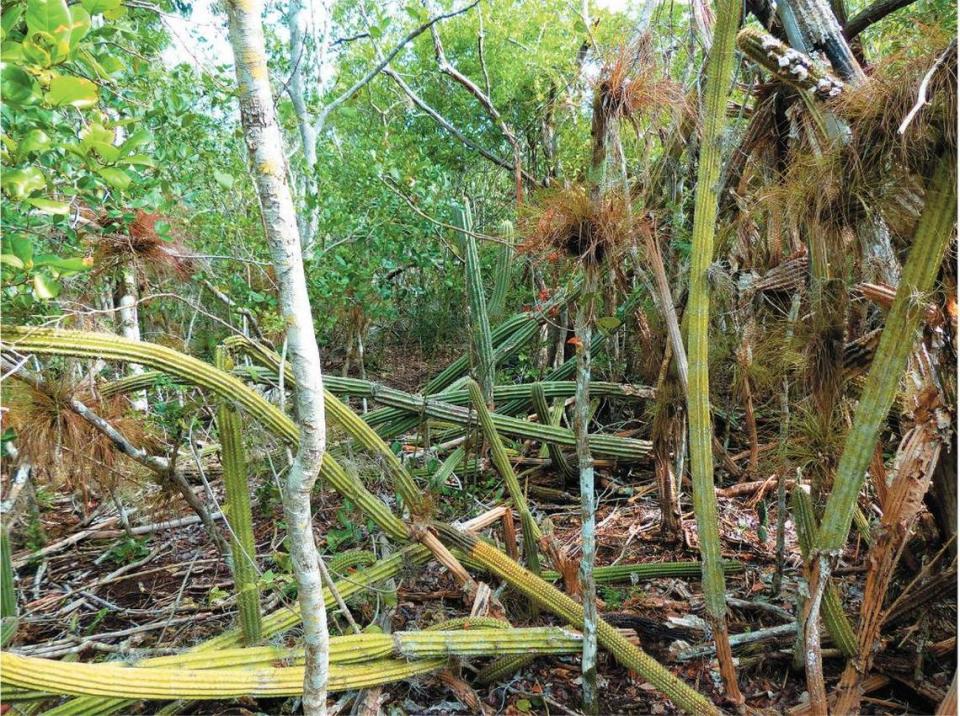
x,y
83,344
343,416
835,619
243,546
276,623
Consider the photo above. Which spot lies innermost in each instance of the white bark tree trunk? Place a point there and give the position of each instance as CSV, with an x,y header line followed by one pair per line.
x,y
265,145
130,325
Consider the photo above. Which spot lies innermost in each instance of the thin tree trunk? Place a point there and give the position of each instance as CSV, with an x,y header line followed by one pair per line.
x,y
130,324
265,145
720,69
584,320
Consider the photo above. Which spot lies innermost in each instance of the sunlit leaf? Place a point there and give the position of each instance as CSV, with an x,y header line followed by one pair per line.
x,y
45,287
49,206
72,91
97,6
117,178
20,183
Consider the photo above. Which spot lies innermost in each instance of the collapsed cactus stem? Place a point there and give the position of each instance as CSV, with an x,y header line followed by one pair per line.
x,y
552,599
788,65
83,344
613,445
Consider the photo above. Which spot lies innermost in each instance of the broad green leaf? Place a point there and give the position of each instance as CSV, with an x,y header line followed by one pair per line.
x,y
49,206
20,183
138,138
10,17
45,287
608,324
98,6
73,264
223,179
18,88
11,260
36,140
22,248
79,25
11,51
48,16
117,178
72,91
139,160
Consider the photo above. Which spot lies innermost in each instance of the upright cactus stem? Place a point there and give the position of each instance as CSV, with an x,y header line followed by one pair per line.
x,y
720,66
243,546
485,364
501,282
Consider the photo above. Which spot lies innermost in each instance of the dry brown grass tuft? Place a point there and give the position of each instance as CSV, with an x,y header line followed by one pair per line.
x,y
140,242
64,447
570,222
633,83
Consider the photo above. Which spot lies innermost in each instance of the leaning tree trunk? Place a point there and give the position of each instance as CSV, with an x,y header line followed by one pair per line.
x,y
265,145
720,66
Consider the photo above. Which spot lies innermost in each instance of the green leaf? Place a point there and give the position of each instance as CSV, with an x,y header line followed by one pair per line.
x,y
608,324
49,206
97,6
10,17
138,138
18,88
11,51
223,179
44,287
22,248
20,183
79,25
48,16
11,260
72,91
36,140
139,160
74,264
523,705
117,178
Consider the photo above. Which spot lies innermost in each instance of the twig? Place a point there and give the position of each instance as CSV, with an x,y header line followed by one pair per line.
x,y
922,92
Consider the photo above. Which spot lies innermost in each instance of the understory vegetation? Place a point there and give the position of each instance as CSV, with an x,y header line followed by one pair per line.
x,y
478,357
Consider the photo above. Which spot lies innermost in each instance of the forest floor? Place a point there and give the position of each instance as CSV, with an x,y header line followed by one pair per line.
x,y
170,589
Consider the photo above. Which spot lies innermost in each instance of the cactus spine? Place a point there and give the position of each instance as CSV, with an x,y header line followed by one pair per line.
x,y
243,546
481,340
